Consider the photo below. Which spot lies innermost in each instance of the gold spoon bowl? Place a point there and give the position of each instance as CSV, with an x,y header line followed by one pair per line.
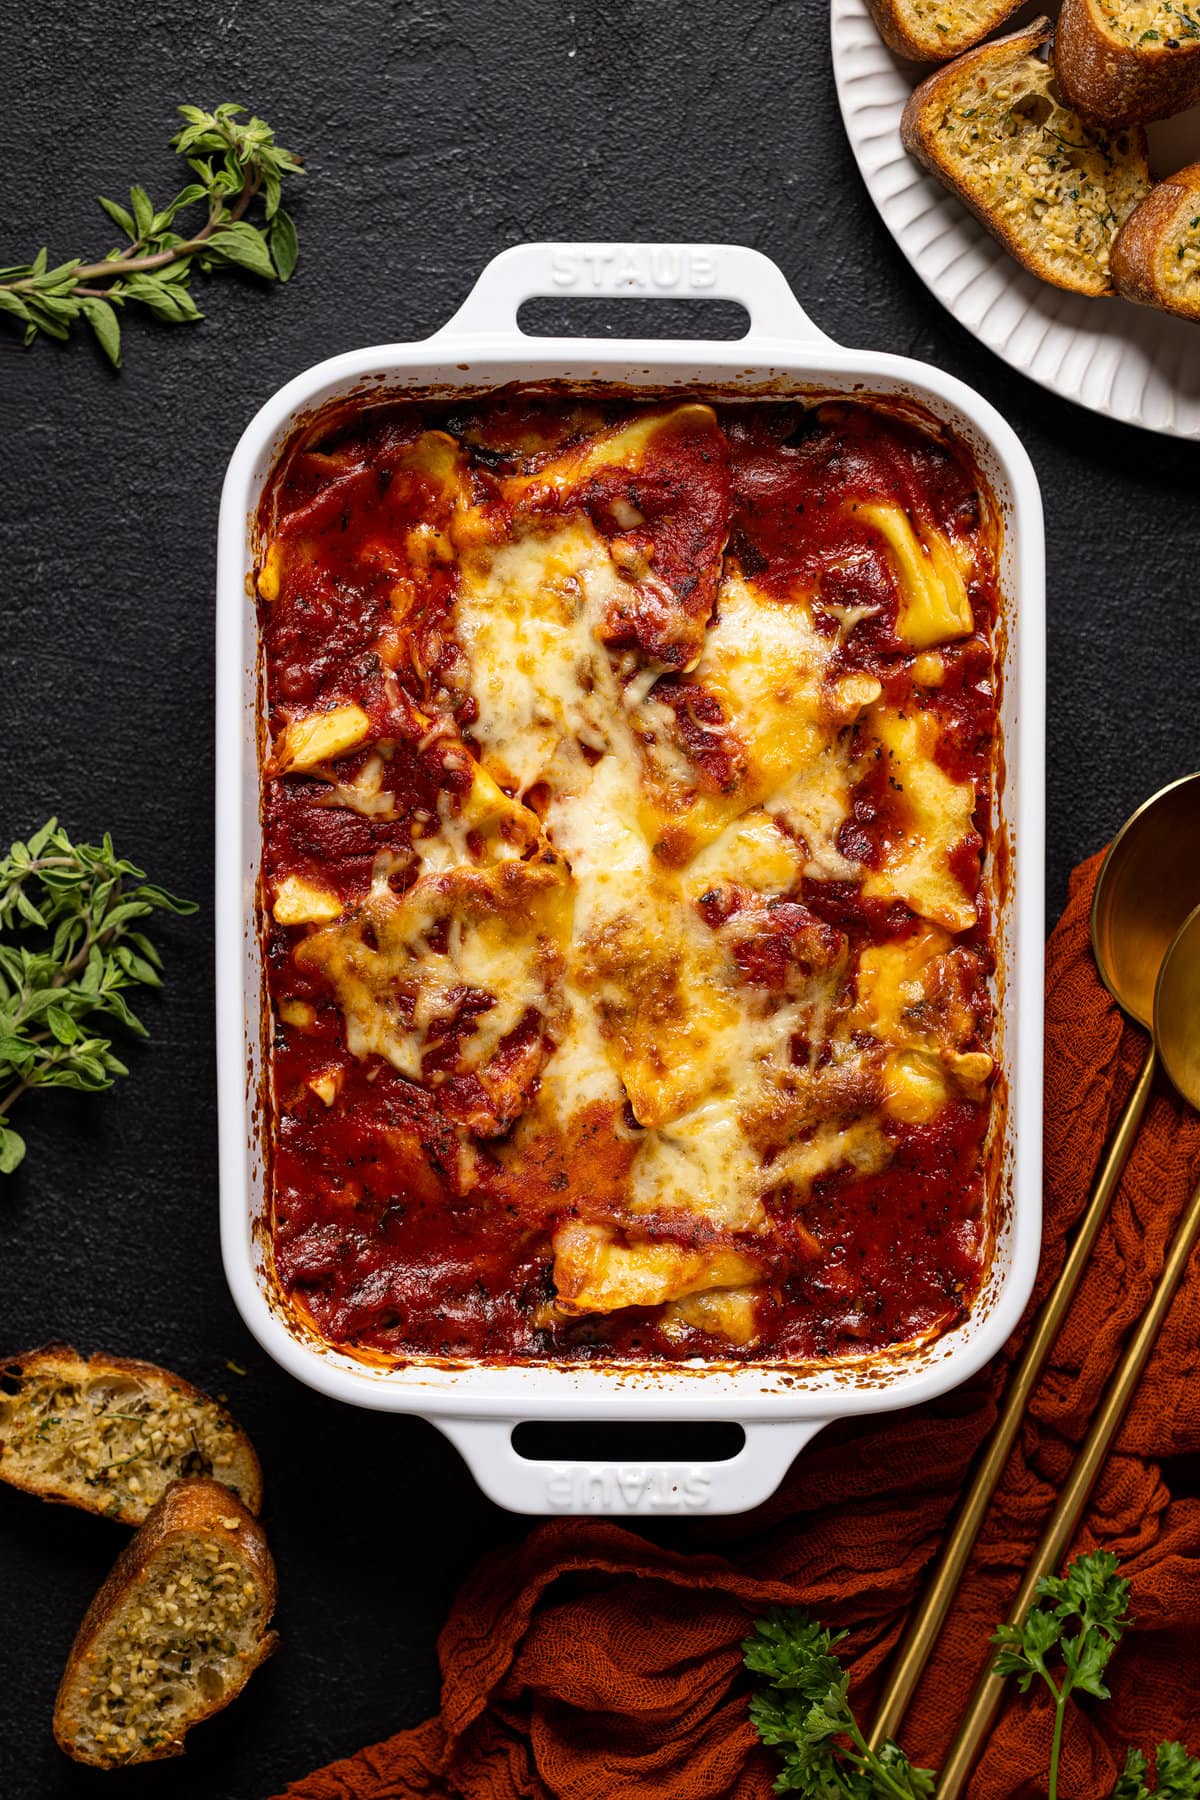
x,y
1177,1011
1147,885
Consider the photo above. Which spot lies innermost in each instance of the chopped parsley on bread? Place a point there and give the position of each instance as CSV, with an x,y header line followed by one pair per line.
x,y
934,30
1055,190
110,1435
1121,61
1156,258
174,1634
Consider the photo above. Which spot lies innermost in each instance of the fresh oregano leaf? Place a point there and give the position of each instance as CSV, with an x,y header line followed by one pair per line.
x,y
243,245
284,245
120,218
143,210
104,322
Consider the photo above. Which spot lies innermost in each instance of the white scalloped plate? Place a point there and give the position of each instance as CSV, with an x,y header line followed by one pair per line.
x,y
1126,361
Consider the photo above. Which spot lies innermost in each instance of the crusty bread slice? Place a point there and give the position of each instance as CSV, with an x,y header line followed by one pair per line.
x,y
1122,61
935,30
1156,258
992,127
174,1634
110,1435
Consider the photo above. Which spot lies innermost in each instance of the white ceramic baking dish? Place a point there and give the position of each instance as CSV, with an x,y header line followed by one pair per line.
x,y
475,1405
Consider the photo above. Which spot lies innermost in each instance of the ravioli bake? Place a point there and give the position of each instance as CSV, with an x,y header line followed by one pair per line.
x,y
628,784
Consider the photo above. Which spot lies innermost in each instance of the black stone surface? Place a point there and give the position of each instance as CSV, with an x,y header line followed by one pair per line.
x,y
435,135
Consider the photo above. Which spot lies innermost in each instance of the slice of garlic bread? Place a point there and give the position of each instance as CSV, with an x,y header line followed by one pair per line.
x,y
993,128
1124,61
174,1634
110,1435
1156,258
934,30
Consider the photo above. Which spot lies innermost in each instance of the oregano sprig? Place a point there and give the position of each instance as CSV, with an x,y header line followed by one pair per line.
x,y
69,951
236,163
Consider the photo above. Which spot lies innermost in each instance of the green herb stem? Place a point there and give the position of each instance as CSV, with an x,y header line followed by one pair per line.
x,y
234,162
1060,1714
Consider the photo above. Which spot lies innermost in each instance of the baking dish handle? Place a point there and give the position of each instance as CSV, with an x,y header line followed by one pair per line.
x,y
634,271
671,1489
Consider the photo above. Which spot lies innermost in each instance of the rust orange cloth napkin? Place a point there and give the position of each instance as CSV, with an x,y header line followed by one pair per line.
x,y
591,1664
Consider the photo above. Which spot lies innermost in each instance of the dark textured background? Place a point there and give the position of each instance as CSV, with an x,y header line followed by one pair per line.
x,y
435,135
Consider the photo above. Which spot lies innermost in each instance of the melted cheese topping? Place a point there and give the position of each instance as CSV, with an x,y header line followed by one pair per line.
x,y
301,902
595,885
403,965
907,1000
770,668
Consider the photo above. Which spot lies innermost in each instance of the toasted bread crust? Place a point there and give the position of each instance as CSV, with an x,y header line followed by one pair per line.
x,y
61,1362
918,134
1117,82
903,35
1143,243
195,1508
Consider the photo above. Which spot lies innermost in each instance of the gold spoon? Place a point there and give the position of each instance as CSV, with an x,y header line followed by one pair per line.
x,y
1177,1035
1147,885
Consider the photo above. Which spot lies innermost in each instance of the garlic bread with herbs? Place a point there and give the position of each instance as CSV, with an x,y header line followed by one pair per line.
x,y
110,1435
1054,190
935,30
1156,258
1127,61
173,1635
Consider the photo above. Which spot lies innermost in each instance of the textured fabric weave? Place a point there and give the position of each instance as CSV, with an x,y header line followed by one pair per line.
x,y
590,1664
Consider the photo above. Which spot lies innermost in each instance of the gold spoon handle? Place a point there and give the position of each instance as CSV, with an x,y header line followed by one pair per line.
x,y
1087,1466
930,1615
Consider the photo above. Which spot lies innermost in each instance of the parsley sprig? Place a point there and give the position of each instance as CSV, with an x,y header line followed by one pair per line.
x,y
69,951
1176,1775
1093,1597
1066,1642
235,162
805,1714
